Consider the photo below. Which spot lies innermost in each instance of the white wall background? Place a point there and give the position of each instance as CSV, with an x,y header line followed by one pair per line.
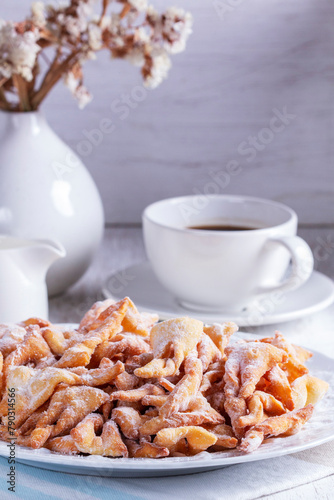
x,y
239,66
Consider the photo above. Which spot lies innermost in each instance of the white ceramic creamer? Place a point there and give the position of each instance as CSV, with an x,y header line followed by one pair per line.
x,y
23,268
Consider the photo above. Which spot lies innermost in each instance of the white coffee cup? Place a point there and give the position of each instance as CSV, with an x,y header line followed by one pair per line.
x,y
216,270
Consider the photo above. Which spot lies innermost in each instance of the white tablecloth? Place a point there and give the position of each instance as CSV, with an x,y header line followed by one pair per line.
x,y
308,475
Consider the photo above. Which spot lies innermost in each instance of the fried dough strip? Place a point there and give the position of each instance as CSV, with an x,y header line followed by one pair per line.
x,y
81,353
214,373
236,408
59,340
177,338
135,362
157,368
67,408
125,381
35,322
128,346
137,323
293,366
33,388
198,438
129,420
271,405
31,421
109,444
308,389
208,352
151,400
137,394
220,334
247,362
131,322
1,374
10,337
145,449
200,413
62,444
280,387
91,316
105,374
224,434
286,424
186,390
256,413
166,384
33,348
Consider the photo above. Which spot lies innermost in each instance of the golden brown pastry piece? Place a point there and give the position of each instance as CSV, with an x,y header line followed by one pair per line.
x,y
246,363
33,388
171,341
10,337
62,444
145,449
286,424
81,353
108,444
32,349
294,364
308,390
198,438
68,407
186,390
220,334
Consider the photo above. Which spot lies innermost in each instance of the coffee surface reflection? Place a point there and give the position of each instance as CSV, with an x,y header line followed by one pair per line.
x,y
223,227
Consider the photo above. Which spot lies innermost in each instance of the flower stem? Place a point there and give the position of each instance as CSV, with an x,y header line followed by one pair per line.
x,y
21,86
104,10
53,75
125,11
4,104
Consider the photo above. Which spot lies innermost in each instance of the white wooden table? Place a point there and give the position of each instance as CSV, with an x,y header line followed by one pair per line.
x,y
123,246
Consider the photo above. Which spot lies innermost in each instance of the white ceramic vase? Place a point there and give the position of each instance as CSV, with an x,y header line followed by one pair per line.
x,y
47,192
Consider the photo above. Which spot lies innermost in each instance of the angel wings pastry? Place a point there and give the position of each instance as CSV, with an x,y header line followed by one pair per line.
x,y
124,385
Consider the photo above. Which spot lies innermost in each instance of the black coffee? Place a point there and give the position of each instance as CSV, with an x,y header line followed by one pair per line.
x,y
223,227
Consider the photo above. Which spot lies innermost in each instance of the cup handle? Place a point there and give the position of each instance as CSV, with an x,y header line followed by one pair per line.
x,y
302,264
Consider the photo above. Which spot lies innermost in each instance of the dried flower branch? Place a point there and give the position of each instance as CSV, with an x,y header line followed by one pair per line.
x,y
128,29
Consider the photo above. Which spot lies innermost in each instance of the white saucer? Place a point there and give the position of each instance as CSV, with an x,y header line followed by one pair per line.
x,y
140,284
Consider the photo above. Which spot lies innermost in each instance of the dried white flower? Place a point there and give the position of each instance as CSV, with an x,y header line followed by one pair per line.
x,y
18,52
142,35
152,14
115,28
105,22
78,90
136,57
177,26
161,64
84,11
130,29
71,81
89,55
94,37
38,14
83,96
76,24
139,5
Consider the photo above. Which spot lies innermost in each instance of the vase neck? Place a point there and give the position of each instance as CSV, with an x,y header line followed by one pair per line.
x,y
28,122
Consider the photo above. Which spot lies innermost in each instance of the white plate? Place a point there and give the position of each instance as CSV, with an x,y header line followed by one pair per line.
x,y
317,431
140,283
